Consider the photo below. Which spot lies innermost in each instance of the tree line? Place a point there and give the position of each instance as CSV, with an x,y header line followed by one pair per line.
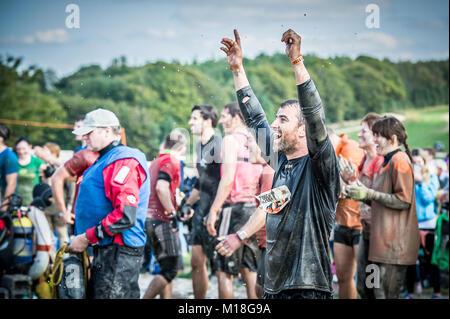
x,y
152,99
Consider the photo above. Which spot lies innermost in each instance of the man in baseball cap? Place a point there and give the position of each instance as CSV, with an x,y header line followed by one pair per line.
x,y
97,118
111,208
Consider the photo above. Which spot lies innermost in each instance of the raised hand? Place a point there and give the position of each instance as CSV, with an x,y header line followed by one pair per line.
x,y
348,173
293,42
234,51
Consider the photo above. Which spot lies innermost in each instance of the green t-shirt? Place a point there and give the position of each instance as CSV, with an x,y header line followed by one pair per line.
x,y
28,177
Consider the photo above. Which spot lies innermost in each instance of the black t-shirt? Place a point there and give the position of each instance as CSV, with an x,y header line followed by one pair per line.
x,y
298,253
208,167
297,250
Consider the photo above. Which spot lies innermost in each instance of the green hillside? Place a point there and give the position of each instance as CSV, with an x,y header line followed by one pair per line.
x,y
152,99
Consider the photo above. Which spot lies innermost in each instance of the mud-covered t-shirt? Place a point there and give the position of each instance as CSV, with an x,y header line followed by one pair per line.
x,y
298,253
208,167
394,236
297,250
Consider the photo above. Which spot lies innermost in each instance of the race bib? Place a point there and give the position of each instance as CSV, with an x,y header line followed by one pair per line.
x,y
275,200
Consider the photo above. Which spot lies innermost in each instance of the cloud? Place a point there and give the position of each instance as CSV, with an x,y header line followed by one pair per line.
x,y
161,34
378,39
52,36
47,36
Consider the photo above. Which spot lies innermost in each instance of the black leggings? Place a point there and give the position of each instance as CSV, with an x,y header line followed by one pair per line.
x,y
426,267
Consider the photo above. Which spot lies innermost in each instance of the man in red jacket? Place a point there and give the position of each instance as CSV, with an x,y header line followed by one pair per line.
x,y
161,222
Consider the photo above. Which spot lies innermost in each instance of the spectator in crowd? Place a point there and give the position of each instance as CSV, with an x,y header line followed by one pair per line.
x,y
31,169
348,229
394,235
426,187
235,202
370,164
49,153
430,154
442,172
9,167
255,225
203,122
161,223
79,123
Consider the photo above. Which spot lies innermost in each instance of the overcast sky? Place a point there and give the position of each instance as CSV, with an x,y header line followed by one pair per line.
x,y
147,31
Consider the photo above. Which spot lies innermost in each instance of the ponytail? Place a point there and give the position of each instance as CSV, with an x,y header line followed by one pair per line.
x,y
408,152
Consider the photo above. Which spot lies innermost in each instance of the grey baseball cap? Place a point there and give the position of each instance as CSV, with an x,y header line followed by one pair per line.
x,y
97,118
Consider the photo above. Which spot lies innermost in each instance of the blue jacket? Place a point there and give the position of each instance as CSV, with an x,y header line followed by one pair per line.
x,y
425,199
93,206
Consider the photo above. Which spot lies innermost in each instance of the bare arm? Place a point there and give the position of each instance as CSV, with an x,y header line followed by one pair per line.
x,y
11,183
231,242
164,195
57,184
45,155
229,148
256,221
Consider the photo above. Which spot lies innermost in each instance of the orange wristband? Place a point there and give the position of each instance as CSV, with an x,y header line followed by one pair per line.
x,y
298,60
170,213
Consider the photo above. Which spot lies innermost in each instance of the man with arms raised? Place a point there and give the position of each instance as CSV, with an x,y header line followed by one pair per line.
x,y
306,184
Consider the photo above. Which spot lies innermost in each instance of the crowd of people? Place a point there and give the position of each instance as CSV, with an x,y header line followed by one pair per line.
x,y
286,206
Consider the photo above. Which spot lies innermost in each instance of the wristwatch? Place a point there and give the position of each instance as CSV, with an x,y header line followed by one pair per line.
x,y
242,234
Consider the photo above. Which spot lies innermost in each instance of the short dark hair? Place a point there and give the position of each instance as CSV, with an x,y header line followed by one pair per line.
x,y
23,139
4,132
208,112
233,109
294,102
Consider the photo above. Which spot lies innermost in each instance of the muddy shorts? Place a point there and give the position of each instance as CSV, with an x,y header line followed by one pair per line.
x,y
346,236
115,272
199,233
231,219
164,242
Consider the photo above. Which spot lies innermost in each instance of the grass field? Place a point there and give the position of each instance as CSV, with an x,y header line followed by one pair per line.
x,y
424,126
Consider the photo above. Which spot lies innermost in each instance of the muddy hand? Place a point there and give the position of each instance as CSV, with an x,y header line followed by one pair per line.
x,y
293,42
228,245
233,50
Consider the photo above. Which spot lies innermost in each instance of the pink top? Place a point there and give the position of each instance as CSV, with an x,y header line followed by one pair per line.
x,y
247,176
